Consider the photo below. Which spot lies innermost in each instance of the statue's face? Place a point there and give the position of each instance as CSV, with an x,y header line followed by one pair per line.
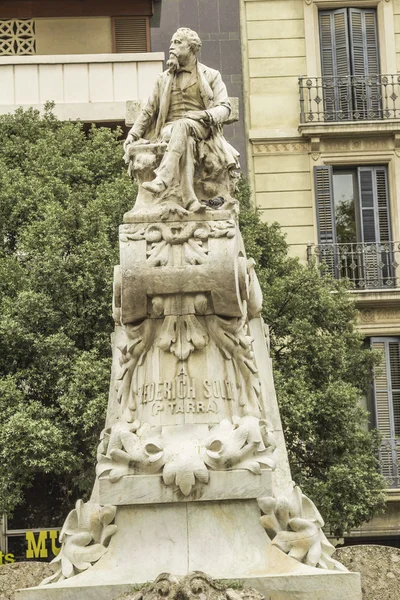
x,y
180,48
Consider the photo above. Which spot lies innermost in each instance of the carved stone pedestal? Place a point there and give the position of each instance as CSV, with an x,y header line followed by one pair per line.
x,y
192,466
223,539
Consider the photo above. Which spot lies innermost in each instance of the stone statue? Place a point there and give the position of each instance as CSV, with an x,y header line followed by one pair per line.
x,y
193,445
183,119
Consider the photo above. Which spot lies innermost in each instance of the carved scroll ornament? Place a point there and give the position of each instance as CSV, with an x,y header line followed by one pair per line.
x,y
193,586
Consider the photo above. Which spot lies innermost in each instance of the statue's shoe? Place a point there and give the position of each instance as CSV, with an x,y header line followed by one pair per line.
x,y
155,186
195,206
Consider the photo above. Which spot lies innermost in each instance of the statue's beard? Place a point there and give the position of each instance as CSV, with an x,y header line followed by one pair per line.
x,y
172,63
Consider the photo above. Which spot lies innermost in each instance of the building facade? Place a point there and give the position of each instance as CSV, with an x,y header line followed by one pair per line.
x,y
322,88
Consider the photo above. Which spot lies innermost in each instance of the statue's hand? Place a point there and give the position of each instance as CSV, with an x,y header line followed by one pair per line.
x,y
197,115
131,137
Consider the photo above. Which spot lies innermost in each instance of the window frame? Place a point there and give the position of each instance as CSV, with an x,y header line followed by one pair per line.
x,y
386,32
354,170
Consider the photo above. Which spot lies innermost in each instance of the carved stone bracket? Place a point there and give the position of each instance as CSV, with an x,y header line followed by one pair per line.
x,y
294,525
397,144
184,455
85,536
315,148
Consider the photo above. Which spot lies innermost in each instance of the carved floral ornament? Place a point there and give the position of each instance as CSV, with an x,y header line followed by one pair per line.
x,y
280,147
370,315
85,536
294,525
132,448
161,237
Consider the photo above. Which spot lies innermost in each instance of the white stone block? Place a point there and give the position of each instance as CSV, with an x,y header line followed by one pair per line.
x,y
51,83
148,489
7,85
76,83
26,82
125,81
101,82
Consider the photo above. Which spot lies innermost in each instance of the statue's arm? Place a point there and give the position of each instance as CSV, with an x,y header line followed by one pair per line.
x,y
221,110
147,114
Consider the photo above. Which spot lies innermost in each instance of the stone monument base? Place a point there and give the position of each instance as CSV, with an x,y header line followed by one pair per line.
x,y
225,539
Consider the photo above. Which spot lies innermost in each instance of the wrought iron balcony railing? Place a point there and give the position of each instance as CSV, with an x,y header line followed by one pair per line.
x,y
367,265
350,98
389,454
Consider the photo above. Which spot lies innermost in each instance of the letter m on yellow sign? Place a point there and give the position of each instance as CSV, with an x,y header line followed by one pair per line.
x,y
36,549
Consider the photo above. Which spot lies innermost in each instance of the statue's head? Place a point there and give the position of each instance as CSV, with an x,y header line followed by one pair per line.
x,y
185,44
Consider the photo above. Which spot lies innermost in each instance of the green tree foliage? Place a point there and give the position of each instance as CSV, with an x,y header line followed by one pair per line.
x,y
63,191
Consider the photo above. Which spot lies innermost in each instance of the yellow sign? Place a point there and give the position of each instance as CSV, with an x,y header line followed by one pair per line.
x,y
38,543
6,558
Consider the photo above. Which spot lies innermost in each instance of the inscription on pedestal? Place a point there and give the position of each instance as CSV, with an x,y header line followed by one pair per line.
x,y
185,395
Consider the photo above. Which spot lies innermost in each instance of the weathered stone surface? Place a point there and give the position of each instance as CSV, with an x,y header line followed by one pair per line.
x,y
379,567
222,485
21,575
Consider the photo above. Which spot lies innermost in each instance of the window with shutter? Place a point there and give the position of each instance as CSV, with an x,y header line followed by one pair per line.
x,y
353,218
335,196
350,63
131,34
387,405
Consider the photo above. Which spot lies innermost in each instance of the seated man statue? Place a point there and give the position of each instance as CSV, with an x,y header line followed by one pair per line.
x,y
185,114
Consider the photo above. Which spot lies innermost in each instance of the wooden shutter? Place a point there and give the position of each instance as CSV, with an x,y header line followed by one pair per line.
x,y
382,390
382,204
375,226
387,404
394,361
364,42
131,34
325,217
374,204
367,205
364,63
335,57
324,203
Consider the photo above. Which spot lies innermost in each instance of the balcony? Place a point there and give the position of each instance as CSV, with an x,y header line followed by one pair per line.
x,y
88,87
368,266
349,99
388,457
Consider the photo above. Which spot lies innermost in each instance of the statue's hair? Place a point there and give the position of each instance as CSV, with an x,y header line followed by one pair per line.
x,y
192,37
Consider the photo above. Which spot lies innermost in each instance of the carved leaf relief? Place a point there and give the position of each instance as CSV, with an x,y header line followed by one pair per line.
x,y
294,525
84,537
245,443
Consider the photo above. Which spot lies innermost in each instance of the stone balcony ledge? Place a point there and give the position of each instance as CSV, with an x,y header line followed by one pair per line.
x,y
377,298
56,59
349,128
86,87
